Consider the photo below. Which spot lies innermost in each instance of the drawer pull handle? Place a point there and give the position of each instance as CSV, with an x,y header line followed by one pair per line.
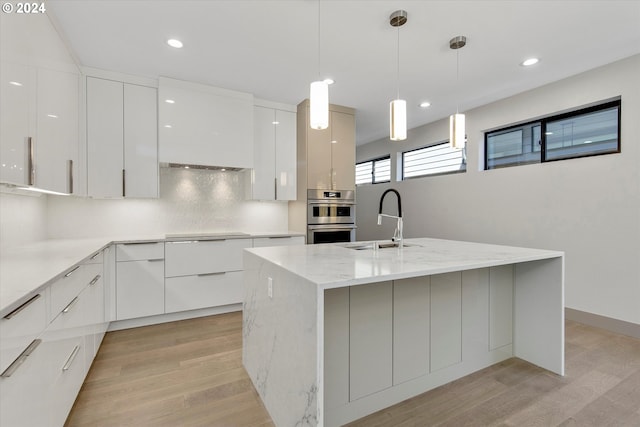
x,y
94,256
182,242
70,305
22,307
280,237
155,260
219,273
72,271
71,358
20,359
95,280
140,243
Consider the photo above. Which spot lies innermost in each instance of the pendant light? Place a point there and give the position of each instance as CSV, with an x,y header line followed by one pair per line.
x,y
319,95
457,132
398,107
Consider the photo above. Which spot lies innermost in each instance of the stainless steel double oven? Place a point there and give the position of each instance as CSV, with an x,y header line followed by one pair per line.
x,y
331,216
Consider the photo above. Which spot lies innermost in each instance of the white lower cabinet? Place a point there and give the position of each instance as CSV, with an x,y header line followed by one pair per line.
x,y
139,280
39,386
205,273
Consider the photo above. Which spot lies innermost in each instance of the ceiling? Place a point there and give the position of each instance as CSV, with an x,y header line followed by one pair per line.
x,y
270,47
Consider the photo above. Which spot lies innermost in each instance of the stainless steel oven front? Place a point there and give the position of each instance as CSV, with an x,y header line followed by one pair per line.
x,y
331,216
331,233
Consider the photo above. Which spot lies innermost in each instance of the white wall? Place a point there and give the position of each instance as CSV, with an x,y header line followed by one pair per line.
x,y
190,201
22,218
589,207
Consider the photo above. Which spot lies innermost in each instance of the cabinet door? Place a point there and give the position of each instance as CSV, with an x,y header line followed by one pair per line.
x,y
56,147
105,157
343,151
264,167
285,155
139,289
205,125
140,141
318,158
16,123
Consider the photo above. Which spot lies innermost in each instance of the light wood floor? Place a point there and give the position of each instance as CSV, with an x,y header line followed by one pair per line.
x,y
189,373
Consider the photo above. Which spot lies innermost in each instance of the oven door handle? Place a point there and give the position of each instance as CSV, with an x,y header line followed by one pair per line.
x,y
330,203
329,227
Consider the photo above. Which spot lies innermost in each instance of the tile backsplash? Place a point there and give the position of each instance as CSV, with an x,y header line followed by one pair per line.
x,y
191,200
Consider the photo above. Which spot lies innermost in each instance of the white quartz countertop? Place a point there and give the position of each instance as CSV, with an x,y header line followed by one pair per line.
x,y
335,265
27,269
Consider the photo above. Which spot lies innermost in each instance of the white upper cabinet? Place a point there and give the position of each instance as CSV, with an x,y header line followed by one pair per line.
x,y
274,171
204,125
122,143
39,82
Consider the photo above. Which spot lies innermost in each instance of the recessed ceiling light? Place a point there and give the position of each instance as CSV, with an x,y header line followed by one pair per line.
x,y
334,142
329,81
529,62
15,83
425,104
53,116
275,123
174,43
167,126
223,169
169,101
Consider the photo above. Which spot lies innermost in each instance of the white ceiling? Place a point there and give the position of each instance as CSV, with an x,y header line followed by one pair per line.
x,y
270,47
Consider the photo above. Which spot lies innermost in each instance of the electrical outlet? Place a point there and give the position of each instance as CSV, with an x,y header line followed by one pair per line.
x,y
270,287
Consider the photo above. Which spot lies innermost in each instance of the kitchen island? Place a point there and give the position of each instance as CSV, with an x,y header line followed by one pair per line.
x,y
334,332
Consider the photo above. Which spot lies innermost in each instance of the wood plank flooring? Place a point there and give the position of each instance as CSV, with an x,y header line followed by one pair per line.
x,y
190,373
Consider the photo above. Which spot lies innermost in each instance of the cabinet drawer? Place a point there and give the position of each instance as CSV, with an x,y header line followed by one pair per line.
x,y
21,326
139,251
69,370
204,256
202,291
96,258
278,241
65,289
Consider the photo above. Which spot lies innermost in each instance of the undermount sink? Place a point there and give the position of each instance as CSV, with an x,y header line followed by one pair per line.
x,y
381,245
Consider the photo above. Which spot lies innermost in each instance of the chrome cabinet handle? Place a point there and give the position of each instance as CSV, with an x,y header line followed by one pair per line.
x,y
140,243
22,306
20,359
155,260
95,280
220,273
94,256
31,180
275,187
70,173
71,358
70,305
123,183
72,271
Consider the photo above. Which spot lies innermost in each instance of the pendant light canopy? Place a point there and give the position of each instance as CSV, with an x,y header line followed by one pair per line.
x,y
319,95
398,107
457,132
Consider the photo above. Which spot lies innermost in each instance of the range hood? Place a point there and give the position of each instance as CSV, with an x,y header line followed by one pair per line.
x,y
205,167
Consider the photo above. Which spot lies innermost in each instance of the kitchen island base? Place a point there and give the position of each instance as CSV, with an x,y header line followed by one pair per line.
x,y
329,354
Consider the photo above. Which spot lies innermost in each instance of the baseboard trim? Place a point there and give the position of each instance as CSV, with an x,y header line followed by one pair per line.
x,y
172,317
603,322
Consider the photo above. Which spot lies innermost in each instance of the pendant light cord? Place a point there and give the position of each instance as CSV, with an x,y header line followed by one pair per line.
x,y
457,80
398,66
318,39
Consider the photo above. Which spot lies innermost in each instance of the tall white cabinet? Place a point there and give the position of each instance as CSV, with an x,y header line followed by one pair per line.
x,y
122,139
39,85
273,176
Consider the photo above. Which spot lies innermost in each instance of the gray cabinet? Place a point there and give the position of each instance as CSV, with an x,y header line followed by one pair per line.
x,y
446,320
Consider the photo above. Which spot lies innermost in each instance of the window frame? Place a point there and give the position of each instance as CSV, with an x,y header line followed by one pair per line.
x,y
616,103
404,178
373,169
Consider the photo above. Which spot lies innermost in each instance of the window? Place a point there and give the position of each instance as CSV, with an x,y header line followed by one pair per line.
x,y
586,132
432,160
374,171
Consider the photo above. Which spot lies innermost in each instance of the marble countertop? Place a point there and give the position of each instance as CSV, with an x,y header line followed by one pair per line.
x,y
335,265
26,270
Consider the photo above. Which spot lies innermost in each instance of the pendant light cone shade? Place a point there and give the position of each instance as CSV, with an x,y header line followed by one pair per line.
x,y
319,105
398,120
457,134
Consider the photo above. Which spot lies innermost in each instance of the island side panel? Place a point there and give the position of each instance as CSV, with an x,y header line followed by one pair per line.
x,y
280,344
538,333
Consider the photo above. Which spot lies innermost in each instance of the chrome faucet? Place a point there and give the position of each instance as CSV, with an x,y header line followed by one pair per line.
x,y
397,234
